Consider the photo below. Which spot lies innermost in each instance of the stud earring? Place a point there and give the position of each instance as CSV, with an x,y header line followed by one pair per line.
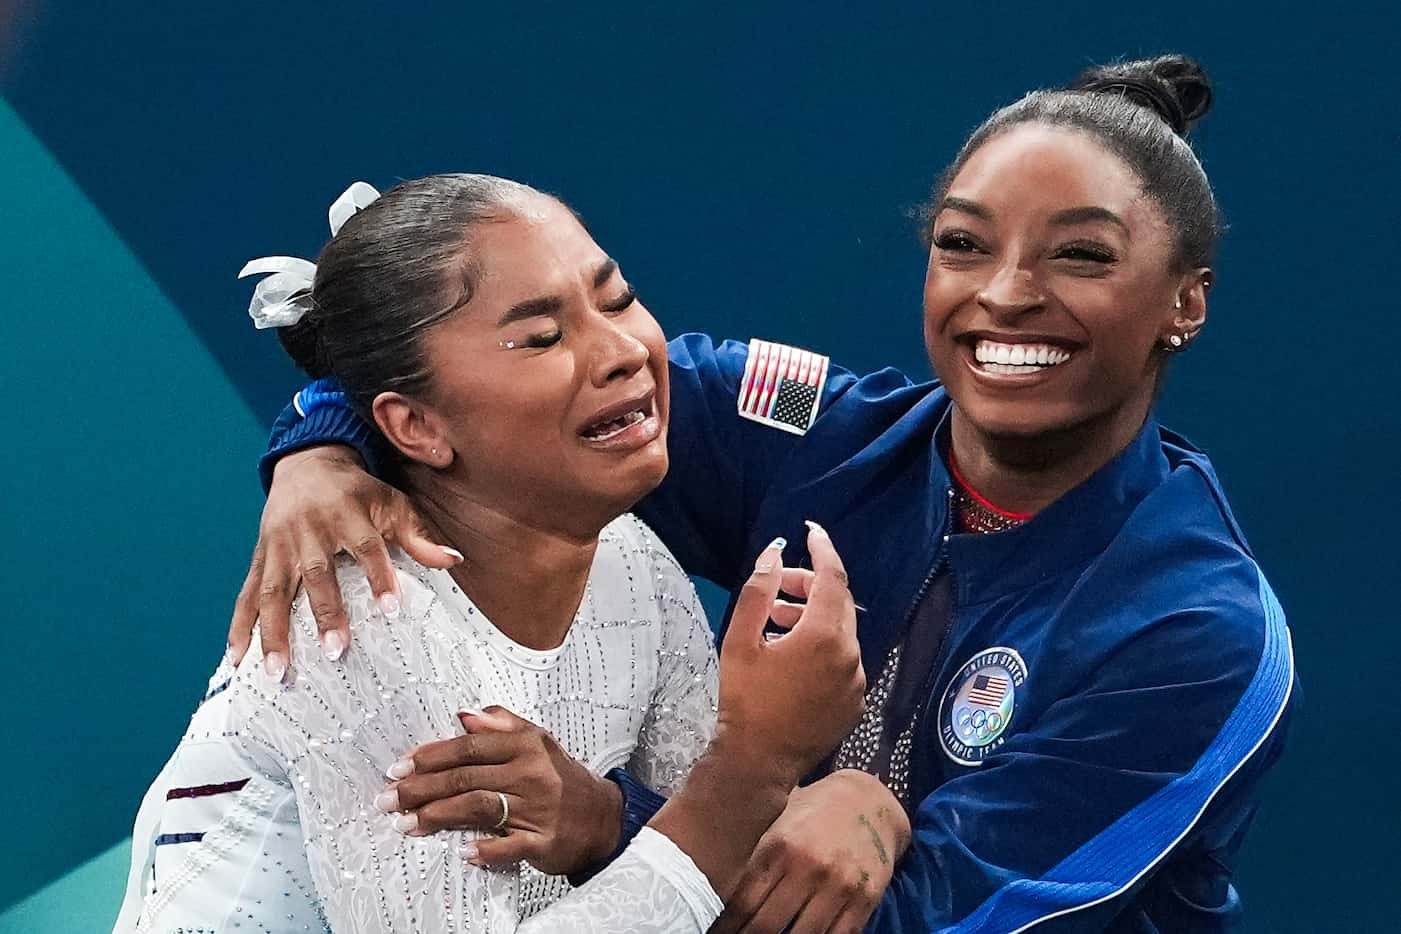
x,y
1175,341
435,452
1178,303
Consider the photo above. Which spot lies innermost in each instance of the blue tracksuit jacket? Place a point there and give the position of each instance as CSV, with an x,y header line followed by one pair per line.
x,y
1126,634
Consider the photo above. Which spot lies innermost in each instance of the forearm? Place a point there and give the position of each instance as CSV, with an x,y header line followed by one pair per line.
x,y
731,797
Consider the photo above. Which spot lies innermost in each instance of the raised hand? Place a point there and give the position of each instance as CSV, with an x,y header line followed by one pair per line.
x,y
792,698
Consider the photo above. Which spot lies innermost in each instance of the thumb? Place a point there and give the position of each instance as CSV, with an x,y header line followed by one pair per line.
x,y
756,598
487,720
420,540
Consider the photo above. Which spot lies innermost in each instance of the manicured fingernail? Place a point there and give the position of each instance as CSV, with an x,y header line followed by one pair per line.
x,y
406,823
274,666
454,554
388,800
389,606
770,555
230,655
814,527
469,852
400,768
333,644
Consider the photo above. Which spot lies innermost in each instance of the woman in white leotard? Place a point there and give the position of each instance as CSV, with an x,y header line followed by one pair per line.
x,y
512,367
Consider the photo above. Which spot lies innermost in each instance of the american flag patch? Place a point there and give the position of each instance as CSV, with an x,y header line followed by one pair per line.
x,y
782,386
988,691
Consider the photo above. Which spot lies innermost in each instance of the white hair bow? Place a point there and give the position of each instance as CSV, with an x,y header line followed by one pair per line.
x,y
284,297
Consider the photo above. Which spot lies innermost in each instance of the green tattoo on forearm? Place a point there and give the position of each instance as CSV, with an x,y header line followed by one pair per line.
x,y
875,838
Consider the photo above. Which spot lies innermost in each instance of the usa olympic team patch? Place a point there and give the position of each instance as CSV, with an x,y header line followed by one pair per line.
x,y
977,708
782,386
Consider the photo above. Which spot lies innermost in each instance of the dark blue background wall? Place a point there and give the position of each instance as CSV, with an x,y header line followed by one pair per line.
x,y
752,169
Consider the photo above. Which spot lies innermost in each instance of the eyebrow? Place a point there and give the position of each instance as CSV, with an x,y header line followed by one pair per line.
x,y
964,206
549,305
544,307
1082,215
1060,218
604,272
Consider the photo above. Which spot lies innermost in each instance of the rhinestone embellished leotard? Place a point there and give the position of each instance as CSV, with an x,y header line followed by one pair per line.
x,y
263,819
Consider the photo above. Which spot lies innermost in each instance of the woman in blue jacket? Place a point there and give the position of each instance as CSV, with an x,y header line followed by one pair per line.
x,y
1079,672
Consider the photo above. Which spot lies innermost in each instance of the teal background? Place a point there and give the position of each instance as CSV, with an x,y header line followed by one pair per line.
x,y
753,171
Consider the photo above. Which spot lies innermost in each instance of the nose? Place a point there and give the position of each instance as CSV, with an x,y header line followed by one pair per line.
x,y
616,353
1010,292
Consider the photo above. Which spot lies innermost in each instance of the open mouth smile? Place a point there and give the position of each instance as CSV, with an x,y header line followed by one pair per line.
x,y
1007,358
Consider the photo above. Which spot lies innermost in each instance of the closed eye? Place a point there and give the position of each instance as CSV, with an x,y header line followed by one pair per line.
x,y
541,341
621,303
1086,252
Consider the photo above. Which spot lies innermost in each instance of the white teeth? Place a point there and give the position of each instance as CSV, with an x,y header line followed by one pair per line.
x,y
1011,369
998,357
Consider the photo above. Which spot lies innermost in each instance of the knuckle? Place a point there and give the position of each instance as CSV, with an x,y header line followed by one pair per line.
x,y
316,569
366,545
780,850
327,612
274,589
460,780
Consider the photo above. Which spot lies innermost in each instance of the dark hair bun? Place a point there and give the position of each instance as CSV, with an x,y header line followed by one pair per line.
x,y
1173,86
303,345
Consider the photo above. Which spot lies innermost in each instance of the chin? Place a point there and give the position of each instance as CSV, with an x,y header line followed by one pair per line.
x,y
631,482
1022,421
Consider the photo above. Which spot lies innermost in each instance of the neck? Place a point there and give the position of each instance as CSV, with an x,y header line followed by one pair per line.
x,y
526,578
1025,475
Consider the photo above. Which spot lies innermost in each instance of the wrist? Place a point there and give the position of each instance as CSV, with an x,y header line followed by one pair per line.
x,y
608,821
766,768
328,455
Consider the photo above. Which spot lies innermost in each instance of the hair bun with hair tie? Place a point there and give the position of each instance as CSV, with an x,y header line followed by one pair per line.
x,y
1172,86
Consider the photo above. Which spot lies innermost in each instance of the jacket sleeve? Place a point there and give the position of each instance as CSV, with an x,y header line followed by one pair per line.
x,y
1078,809
319,414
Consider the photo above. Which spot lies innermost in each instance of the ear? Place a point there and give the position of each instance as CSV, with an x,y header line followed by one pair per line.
x,y
1189,308
413,428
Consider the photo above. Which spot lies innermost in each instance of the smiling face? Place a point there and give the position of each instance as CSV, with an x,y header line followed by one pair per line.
x,y
548,388
1051,283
